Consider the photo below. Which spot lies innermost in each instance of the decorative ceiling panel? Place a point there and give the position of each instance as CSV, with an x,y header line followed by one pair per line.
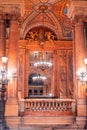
x,y
55,14
31,12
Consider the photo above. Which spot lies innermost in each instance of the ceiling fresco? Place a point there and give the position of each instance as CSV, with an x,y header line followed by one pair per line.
x,y
32,13
55,17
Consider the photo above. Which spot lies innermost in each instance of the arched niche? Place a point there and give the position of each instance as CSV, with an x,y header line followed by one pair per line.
x,y
35,86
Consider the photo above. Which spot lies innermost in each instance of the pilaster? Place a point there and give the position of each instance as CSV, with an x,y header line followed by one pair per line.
x,y
13,64
77,12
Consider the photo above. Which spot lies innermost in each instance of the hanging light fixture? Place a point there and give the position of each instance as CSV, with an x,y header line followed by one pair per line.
x,y
44,62
39,77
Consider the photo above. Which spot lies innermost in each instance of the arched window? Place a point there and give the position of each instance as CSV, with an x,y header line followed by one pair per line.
x,y
35,86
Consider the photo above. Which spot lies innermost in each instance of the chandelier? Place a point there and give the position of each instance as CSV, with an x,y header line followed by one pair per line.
x,y
82,73
44,62
39,77
43,65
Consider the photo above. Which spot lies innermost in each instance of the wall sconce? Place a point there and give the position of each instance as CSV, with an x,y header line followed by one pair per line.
x,y
82,76
3,72
4,79
82,73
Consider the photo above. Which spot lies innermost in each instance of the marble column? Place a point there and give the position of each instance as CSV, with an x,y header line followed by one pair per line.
x,y
80,54
80,51
77,12
13,56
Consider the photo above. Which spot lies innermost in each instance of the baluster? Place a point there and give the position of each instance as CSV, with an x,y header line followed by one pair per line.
x,y
70,106
52,105
34,107
56,105
59,106
63,106
28,105
40,105
45,105
49,105
32,104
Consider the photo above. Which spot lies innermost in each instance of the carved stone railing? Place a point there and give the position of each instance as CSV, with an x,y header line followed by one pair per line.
x,y
55,106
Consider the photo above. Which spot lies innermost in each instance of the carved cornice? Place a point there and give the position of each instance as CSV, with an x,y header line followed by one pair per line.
x,y
77,11
10,9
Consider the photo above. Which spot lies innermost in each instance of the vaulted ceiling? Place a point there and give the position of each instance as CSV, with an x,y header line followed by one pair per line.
x,y
32,11
55,16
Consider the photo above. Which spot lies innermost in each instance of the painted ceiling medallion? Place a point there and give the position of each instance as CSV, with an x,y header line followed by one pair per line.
x,y
43,8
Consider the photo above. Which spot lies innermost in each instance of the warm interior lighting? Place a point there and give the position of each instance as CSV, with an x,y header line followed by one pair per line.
x,y
39,77
43,65
44,61
85,61
82,73
4,59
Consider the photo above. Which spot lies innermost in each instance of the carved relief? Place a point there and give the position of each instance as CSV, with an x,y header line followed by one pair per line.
x,y
40,34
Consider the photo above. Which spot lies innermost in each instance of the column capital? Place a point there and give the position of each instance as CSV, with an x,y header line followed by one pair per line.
x,y
11,12
10,8
15,17
77,11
